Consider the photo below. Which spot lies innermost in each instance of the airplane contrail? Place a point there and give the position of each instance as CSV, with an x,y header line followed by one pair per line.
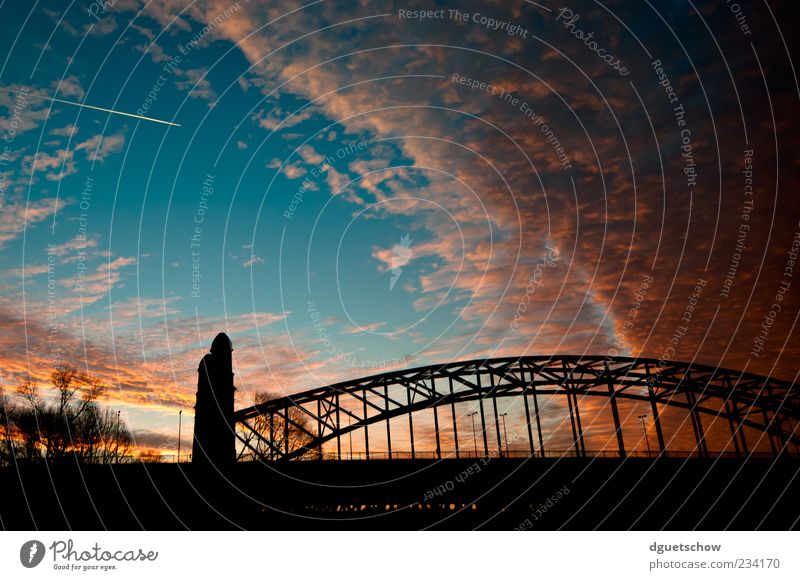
x,y
106,110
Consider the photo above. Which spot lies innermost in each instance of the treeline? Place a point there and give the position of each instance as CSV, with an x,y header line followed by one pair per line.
x,y
72,426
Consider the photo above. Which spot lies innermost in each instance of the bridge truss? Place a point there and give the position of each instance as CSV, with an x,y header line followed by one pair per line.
x,y
743,401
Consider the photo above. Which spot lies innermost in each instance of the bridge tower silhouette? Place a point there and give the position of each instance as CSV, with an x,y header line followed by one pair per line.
x,y
214,442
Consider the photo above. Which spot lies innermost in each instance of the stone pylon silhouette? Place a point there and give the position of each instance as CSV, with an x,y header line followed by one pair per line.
x,y
214,441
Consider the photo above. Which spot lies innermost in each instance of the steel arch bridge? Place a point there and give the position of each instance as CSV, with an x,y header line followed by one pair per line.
x,y
743,401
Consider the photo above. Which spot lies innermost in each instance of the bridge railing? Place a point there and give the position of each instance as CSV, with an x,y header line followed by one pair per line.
x,y
512,454
432,455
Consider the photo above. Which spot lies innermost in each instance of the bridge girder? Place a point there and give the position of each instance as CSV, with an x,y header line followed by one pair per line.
x,y
744,399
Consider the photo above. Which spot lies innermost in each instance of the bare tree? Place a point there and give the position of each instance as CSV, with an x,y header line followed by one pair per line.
x,y
100,436
115,438
272,434
77,395
71,426
25,430
28,390
6,430
149,457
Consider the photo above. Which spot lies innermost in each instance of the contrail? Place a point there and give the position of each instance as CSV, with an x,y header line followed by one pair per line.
x,y
106,110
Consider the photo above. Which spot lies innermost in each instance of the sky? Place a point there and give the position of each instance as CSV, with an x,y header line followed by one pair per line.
x,y
347,188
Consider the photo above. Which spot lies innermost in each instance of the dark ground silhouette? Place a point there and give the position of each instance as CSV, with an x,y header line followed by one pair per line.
x,y
572,493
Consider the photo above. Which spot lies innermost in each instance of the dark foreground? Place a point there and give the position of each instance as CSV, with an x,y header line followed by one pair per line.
x,y
503,494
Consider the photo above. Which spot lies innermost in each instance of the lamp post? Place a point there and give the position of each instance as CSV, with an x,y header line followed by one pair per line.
x,y
474,438
350,435
646,438
505,433
180,416
117,428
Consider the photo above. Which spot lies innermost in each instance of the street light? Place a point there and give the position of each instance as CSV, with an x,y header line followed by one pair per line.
x,y
505,433
474,438
180,416
646,438
350,435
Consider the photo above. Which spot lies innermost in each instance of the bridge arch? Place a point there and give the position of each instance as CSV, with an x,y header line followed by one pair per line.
x,y
744,401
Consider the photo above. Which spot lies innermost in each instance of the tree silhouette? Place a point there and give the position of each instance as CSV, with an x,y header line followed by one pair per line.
x,y
71,425
6,430
273,434
148,456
